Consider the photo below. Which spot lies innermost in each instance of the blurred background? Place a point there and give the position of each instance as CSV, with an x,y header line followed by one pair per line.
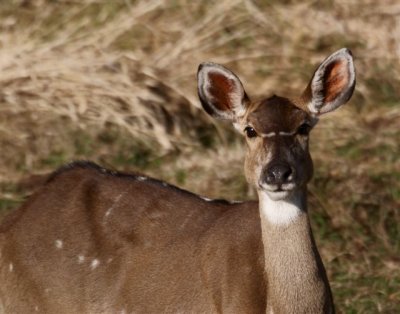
x,y
114,81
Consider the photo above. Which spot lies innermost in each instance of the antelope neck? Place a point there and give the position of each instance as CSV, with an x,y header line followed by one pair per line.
x,y
296,278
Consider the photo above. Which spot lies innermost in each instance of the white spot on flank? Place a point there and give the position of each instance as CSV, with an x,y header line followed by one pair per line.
x,y
212,200
59,244
36,308
110,209
140,178
94,264
281,211
187,219
81,259
10,267
235,202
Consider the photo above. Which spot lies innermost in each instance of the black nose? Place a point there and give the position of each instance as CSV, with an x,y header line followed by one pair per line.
x,y
278,174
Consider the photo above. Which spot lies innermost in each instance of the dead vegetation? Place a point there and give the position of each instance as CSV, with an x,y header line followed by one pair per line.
x,y
114,82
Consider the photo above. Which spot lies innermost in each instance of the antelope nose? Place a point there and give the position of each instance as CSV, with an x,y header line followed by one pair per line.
x,y
278,174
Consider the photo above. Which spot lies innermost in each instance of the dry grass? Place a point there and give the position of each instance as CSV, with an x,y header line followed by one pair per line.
x,y
114,81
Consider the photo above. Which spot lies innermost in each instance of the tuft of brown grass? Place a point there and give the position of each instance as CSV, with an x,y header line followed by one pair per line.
x,y
114,81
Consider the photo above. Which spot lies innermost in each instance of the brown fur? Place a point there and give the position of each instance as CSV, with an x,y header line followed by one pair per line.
x,y
96,241
277,114
156,254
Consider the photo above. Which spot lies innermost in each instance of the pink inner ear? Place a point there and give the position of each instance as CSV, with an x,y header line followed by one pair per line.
x,y
336,79
220,88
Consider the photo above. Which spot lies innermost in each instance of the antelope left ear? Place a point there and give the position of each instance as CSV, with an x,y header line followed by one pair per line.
x,y
332,84
220,91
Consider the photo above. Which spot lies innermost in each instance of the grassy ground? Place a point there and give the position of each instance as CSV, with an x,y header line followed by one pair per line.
x,y
114,82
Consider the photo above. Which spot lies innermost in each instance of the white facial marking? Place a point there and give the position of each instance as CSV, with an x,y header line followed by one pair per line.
x,y
59,244
81,259
280,211
10,267
94,264
237,126
281,133
268,187
270,134
267,159
287,133
288,186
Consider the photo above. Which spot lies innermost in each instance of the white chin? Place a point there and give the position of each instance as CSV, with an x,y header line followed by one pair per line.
x,y
278,195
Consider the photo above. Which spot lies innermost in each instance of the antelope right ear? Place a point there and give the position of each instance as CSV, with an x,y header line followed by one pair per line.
x,y
220,91
332,84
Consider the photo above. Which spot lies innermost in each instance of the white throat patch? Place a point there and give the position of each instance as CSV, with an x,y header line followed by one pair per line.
x,y
279,212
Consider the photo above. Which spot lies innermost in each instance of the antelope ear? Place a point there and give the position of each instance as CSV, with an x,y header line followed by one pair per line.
x,y
332,84
220,91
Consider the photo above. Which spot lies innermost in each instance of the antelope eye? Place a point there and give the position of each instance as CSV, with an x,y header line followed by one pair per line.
x,y
250,132
304,129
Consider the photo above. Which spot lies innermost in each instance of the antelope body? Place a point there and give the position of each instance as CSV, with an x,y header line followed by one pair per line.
x,y
96,241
